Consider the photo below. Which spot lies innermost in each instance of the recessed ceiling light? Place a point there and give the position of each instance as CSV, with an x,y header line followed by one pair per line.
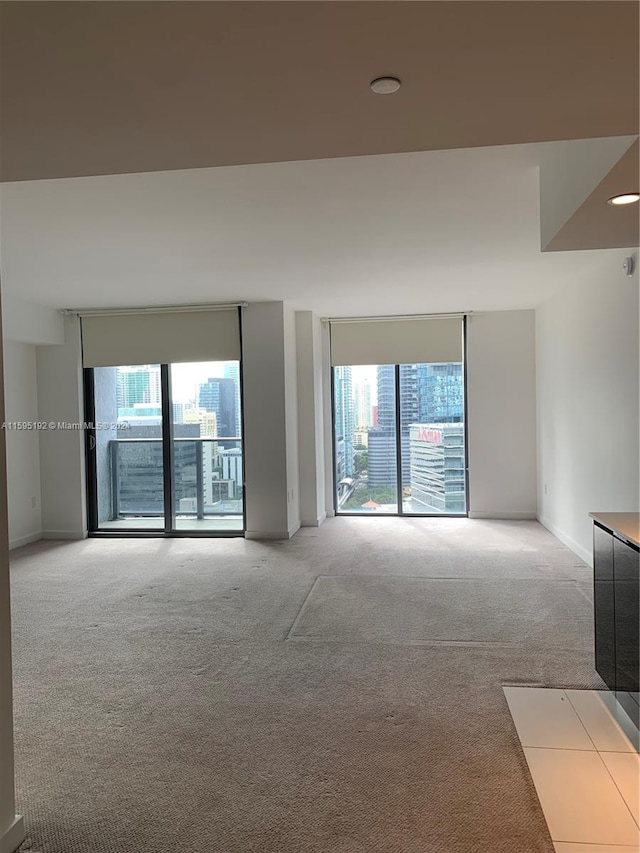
x,y
385,85
625,198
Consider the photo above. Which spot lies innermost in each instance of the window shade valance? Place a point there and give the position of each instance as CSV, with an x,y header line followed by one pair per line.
x,y
163,337
411,341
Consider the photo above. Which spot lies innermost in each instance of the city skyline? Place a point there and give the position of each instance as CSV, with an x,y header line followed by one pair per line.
x,y
429,395
207,459
140,384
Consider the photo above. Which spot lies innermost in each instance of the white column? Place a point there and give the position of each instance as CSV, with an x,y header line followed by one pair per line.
x,y
11,826
23,446
62,462
310,419
291,419
270,420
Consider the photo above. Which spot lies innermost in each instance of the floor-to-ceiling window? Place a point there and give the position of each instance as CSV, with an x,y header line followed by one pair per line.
x,y
165,449
208,470
127,448
399,428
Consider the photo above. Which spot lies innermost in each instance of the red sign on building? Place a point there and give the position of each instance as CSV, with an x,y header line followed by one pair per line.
x,y
433,436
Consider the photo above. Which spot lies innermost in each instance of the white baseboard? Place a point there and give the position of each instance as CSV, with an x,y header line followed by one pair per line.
x,y
64,534
13,837
330,513
266,534
583,553
293,530
25,540
315,522
508,516
272,534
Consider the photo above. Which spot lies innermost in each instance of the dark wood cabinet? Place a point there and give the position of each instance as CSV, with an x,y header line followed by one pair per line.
x,y
626,562
616,579
604,606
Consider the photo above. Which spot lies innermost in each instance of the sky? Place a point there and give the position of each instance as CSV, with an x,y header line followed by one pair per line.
x,y
186,378
361,372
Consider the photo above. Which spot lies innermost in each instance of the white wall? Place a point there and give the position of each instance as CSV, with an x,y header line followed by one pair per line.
x,y
62,469
11,828
501,414
30,323
50,390
270,420
310,418
569,171
588,378
327,420
23,446
291,419
25,324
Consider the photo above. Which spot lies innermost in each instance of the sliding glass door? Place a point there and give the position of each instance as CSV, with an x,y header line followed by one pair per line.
x,y
125,448
207,457
165,454
399,439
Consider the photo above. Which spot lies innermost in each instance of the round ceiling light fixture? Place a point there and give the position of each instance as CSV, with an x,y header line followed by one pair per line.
x,y
385,85
624,198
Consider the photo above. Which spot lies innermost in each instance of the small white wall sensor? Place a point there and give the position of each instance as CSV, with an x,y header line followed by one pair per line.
x,y
628,266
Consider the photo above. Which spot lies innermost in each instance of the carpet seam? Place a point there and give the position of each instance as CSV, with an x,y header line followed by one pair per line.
x,y
302,607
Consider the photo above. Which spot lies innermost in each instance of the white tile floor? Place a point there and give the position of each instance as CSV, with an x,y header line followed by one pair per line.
x,y
582,753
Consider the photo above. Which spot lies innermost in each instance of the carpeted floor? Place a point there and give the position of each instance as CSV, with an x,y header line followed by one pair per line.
x,y
337,693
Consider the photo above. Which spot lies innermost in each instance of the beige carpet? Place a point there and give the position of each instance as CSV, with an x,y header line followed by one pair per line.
x,y
338,693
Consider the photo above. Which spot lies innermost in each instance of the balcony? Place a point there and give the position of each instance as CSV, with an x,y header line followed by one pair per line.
x,y
207,484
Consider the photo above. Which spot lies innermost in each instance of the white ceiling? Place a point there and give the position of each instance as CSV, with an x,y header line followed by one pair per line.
x,y
396,233
111,88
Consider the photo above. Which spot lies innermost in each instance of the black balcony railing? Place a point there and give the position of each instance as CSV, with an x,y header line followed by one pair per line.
x,y
208,477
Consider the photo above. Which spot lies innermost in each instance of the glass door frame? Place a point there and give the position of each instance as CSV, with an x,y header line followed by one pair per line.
x,y
400,513
168,479
91,472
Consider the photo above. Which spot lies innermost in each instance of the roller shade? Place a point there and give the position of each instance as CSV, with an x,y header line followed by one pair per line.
x,y
163,337
419,341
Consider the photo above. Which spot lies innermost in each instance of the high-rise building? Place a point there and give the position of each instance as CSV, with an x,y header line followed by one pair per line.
x,y
381,457
218,395
138,384
231,461
409,397
409,404
386,397
178,410
361,438
207,421
231,371
140,414
440,393
437,468
362,404
378,467
429,393
344,421
223,477
138,468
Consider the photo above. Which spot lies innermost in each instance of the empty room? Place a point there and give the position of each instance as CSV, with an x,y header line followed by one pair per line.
x,y
319,528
